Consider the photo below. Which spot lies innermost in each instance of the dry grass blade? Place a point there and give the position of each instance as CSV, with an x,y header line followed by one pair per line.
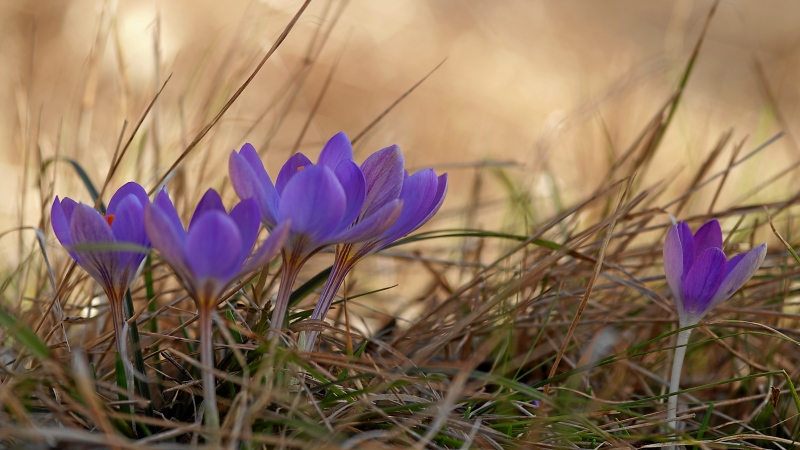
x,y
780,238
734,154
722,173
83,380
590,285
454,392
318,102
233,97
405,94
712,157
118,155
483,275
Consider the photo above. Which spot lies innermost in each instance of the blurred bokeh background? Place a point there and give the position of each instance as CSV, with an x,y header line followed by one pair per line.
x,y
550,91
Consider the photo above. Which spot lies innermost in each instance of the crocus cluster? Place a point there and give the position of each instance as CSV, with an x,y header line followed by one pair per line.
x,y
334,202
700,277
421,195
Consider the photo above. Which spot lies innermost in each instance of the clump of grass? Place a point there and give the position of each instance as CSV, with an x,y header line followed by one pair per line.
x,y
549,332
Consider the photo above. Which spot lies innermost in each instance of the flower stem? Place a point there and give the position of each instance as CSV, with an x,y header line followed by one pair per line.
x,y
288,277
675,379
118,316
211,415
332,285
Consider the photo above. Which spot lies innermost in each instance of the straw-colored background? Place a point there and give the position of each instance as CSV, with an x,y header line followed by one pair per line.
x,y
552,86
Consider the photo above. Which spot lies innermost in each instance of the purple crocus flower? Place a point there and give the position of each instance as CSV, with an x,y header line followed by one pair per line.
x,y
699,274
215,251
217,247
700,278
422,194
324,203
110,247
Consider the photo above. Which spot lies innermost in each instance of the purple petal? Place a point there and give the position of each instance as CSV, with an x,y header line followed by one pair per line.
x,y
314,202
384,173
247,219
355,189
130,188
250,179
68,205
213,248
701,283
269,248
438,200
745,267
211,201
295,164
60,220
708,236
249,153
337,149
89,228
166,236
418,195
673,265
372,226
687,245
128,226
733,262
165,205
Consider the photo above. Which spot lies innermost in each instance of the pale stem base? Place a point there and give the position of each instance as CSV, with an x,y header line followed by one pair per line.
x,y
675,378
211,414
335,280
288,277
118,316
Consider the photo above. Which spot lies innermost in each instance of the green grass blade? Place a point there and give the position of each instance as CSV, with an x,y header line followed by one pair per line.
x,y
461,233
309,286
24,335
138,358
234,332
704,425
87,182
122,383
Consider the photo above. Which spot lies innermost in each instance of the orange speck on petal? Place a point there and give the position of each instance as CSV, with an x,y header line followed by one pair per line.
x,y
301,168
109,218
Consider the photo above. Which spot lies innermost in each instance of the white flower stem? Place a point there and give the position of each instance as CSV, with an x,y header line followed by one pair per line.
x,y
118,316
211,414
675,379
335,280
288,277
